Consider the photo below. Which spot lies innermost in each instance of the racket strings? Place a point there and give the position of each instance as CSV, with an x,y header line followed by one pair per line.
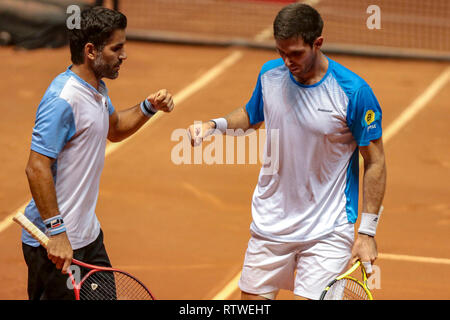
x,y
354,291
346,289
113,285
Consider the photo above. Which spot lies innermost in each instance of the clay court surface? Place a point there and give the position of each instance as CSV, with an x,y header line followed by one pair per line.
x,y
183,229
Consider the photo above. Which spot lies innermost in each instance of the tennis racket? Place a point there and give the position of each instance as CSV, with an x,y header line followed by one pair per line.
x,y
346,287
97,283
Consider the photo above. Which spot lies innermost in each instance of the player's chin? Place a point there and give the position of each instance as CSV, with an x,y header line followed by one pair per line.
x,y
112,75
298,72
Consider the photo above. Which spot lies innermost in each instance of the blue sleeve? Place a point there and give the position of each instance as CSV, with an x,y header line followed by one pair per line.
x,y
364,116
110,107
54,126
255,107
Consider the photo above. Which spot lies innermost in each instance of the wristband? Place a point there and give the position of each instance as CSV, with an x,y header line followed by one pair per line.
x,y
369,223
55,225
147,108
221,124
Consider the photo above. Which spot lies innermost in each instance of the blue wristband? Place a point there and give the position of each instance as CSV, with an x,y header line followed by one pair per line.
x,y
147,108
55,225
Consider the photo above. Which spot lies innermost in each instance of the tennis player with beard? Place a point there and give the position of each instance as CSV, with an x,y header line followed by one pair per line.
x,y
73,121
305,207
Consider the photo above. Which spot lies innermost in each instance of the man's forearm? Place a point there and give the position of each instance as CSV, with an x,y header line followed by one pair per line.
x,y
127,123
238,119
42,187
40,179
374,185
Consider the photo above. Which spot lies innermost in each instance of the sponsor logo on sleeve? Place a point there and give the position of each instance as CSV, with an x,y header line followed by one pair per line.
x,y
369,117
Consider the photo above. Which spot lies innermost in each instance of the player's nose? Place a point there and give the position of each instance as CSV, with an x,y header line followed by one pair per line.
x,y
287,62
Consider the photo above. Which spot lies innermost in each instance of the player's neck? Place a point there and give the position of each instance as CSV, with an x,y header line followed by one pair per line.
x,y
87,74
317,72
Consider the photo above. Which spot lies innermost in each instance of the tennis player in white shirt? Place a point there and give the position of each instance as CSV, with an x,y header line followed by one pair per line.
x,y
304,211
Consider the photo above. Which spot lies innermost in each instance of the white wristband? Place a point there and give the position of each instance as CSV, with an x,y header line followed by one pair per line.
x,y
369,223
221,124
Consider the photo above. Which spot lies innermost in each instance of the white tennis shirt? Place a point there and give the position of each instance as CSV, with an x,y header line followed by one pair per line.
x,y
319,127
72,123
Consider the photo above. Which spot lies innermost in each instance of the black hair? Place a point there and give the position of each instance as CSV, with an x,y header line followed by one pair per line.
x,y
298,20
96,26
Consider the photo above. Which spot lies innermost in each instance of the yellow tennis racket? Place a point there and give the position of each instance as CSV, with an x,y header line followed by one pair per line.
x,y
346,287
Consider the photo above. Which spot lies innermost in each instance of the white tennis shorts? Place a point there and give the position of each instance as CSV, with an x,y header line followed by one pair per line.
x,y
304,268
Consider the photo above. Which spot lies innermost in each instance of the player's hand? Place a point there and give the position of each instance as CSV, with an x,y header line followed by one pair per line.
x,y
60,251
365,250
161,100
199,131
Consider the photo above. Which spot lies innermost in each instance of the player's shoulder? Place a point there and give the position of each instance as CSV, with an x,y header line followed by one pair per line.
x,y
52,99
56,86
69,87
348,80
271,65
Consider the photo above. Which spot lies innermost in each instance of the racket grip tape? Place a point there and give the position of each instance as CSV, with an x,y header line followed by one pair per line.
x,y
31,229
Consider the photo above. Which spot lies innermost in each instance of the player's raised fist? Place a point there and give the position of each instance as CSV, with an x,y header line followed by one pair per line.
x,y
162,100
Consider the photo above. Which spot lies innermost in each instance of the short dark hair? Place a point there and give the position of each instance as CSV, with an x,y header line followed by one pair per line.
x,y
96,26
298,20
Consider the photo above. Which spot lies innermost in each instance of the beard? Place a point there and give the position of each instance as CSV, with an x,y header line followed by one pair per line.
x,y
104,70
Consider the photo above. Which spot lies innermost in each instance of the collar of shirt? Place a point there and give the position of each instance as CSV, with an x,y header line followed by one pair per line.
x,y
102,92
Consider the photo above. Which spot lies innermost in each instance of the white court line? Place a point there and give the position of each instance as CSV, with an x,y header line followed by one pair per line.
x,y
401,257
231,287
178,99
417,105
6,222
204,195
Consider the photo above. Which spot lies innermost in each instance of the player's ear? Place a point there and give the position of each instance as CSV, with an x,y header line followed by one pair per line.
x,y
318,42
90,52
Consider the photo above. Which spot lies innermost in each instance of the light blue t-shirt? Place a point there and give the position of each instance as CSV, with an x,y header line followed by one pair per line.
x,y
71,126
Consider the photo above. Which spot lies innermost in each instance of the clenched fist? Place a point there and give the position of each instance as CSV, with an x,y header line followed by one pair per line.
x,y
161,100
199,131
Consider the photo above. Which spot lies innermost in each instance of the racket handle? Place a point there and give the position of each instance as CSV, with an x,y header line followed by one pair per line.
x,y
31,228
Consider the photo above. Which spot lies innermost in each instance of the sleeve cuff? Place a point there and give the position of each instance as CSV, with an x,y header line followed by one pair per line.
x,y
44,151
